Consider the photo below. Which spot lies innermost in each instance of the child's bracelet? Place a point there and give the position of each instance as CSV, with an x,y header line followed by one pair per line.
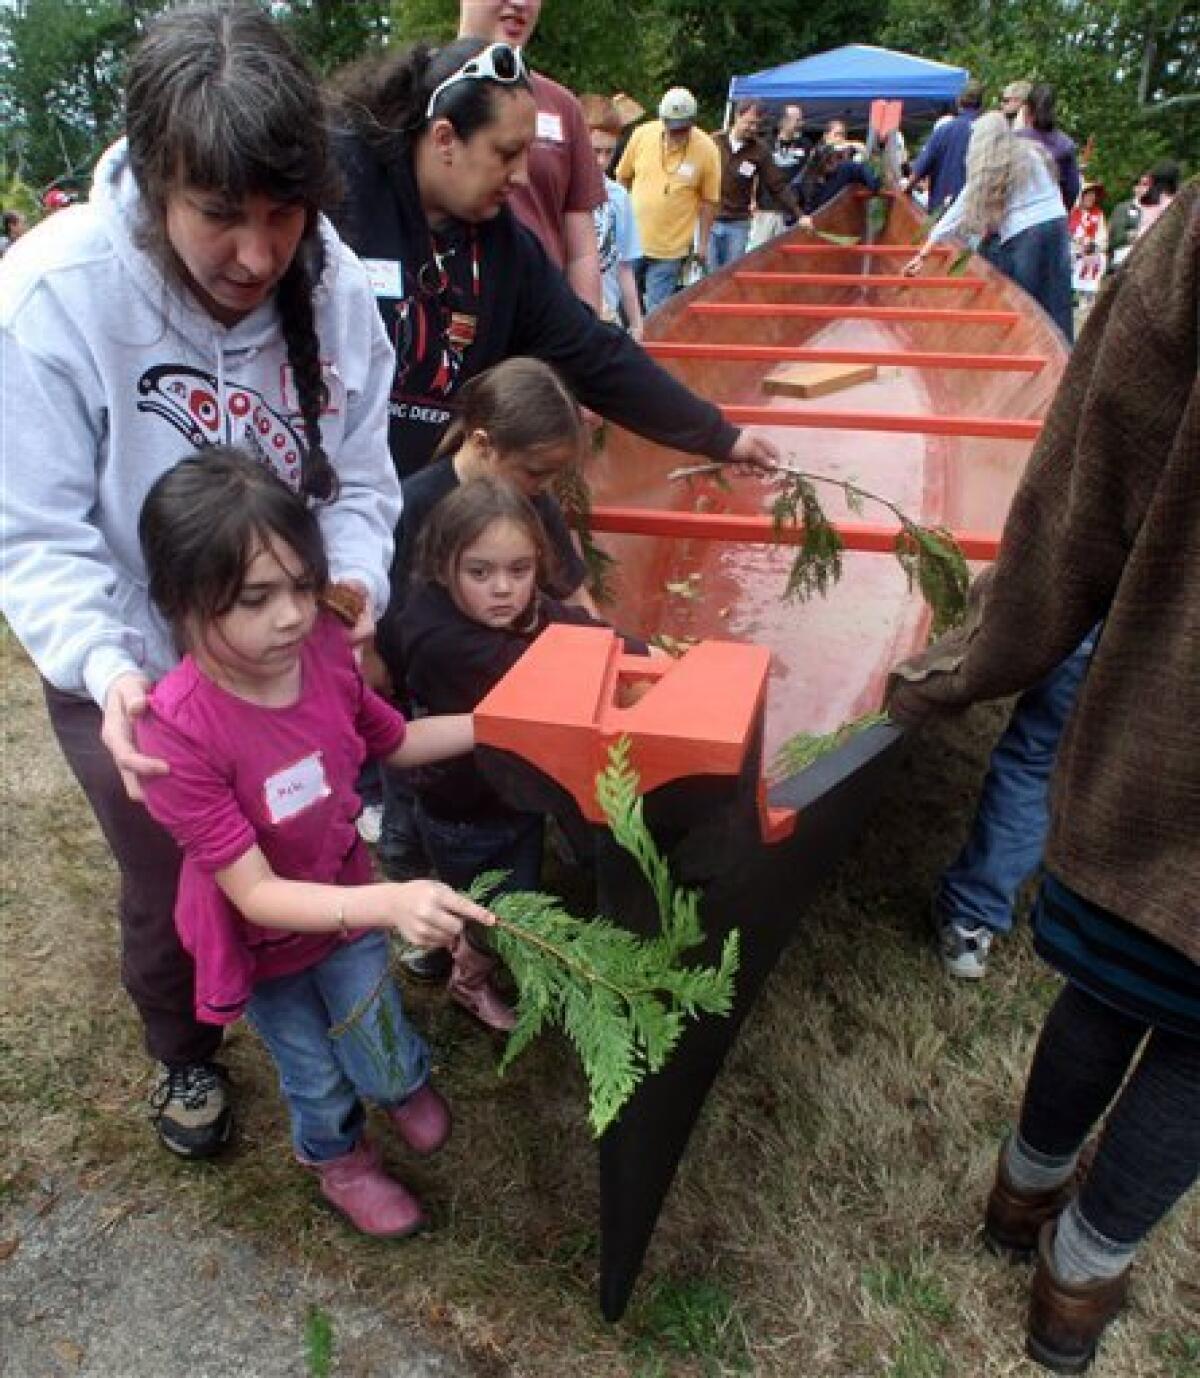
x,y
341,918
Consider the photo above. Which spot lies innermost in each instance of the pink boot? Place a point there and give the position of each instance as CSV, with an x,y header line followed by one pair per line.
x,y
357,1186
471,987
422,1121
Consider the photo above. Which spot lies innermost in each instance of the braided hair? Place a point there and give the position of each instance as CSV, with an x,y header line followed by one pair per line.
x,y
218,98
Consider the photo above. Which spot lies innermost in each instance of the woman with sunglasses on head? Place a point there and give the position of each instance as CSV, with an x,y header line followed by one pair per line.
x,y
434,143
198,297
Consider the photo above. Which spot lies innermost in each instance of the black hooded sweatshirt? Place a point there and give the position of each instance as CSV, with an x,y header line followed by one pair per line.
x,y
459,302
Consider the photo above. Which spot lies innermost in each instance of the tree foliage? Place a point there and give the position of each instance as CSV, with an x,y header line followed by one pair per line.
x,y
1126,72
60,93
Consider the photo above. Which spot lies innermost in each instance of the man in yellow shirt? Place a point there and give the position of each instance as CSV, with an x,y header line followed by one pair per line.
x,y
673,173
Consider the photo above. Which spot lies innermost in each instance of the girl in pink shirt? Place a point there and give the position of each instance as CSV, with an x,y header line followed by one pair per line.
x,y
264,725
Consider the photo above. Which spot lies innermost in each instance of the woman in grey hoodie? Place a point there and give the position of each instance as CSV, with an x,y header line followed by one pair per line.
x,y
198,297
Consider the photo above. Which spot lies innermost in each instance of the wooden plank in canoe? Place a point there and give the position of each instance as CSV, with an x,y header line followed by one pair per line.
x,y
816,380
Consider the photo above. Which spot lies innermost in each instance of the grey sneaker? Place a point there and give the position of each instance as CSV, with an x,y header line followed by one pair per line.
x,y
964,948
191,1111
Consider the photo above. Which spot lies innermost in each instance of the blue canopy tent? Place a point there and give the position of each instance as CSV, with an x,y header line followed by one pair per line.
x,y
844,81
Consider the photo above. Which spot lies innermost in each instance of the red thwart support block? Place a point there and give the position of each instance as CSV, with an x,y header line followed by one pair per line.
x,y
559,708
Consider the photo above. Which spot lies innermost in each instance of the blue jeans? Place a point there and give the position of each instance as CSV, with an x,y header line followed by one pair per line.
x,y
324,1070
662,280
727,242
462,851
1008,835
1039,260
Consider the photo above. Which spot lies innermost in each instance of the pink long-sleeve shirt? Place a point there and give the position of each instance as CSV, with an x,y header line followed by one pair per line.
x,y
283,778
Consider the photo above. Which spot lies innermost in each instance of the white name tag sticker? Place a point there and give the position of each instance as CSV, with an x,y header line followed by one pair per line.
x,y
385,275
295,788
746,169
687,171
549,126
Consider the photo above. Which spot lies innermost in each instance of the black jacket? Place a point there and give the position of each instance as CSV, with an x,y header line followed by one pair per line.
x,y
499,296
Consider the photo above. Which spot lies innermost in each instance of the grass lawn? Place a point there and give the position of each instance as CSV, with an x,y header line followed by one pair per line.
x,y
825,1221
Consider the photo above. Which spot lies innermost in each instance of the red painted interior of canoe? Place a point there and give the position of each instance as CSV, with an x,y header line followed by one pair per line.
x,y
831,655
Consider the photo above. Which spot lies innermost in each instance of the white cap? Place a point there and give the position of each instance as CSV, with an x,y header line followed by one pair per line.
x,y
677,107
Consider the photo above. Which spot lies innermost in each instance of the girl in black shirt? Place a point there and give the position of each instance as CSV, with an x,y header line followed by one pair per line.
x,y
475,606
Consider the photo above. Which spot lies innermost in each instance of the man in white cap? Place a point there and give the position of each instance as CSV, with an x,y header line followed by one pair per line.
x,y
673,172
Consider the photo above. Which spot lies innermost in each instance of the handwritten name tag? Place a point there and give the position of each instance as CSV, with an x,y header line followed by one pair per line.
x,y
385,275
295,788
549,126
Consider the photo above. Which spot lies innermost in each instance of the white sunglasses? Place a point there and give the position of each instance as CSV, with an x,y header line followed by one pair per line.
x,y
498,62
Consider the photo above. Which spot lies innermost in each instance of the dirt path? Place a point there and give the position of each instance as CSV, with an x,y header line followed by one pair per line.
x,y
89,1289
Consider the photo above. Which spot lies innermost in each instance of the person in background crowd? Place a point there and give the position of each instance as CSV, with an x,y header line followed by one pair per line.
x,y
790,152
15,225
1104,527
673,172
943,161
1037,122
1013,98
562,188
837,136
616,226
746,165
1011,195
56,199
1164,183
832,168
631,114
1089,238
1125,221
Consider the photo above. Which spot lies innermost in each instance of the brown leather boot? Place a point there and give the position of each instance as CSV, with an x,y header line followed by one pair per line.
x,y
1066,1319
1012,1219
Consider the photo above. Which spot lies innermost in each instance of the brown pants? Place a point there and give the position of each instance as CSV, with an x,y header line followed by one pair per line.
x,y
155,970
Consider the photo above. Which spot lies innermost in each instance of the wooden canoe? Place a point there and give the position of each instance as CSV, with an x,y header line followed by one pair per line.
x,y
964,370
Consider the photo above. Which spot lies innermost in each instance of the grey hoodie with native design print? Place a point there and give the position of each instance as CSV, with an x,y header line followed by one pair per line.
x,y
112,373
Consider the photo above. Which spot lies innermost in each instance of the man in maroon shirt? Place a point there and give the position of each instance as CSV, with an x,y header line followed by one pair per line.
x,y
565,185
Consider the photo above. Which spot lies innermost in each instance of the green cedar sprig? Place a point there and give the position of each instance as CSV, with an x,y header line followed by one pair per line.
x,y
799,752
929,555
620,999
818,563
